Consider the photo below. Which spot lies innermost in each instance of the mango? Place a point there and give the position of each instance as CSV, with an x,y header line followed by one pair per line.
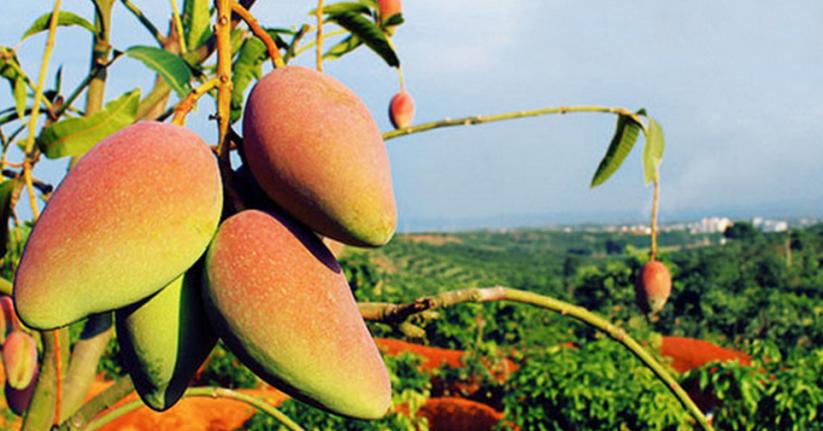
x,y
18,400
135,212
164,339
653,287
8,320
281,303
389,8
19,359
401,110
315,150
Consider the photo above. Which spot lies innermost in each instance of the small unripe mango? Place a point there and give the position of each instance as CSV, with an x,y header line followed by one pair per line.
x,y
164,339
401,110
389,8
316,151
653,287
20,359
8,320
18,400
135,212
281,303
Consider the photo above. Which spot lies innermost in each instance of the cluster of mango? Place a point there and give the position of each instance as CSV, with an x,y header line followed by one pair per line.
x,y
139,227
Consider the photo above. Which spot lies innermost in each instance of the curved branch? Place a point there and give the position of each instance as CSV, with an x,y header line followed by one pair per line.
x,y
482,119
104,400
257,30
391,312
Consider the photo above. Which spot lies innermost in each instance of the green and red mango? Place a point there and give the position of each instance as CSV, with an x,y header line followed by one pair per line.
x,y
280,301
401,110
19,359
135,212
164,339
316,151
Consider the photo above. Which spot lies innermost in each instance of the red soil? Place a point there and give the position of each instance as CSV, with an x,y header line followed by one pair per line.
x,y
435,357
690,353
452,414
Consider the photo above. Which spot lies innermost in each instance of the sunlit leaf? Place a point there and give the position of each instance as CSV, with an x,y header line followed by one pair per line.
x,y
653,150
19,92
75,136
625,136
370,34
169,66
196,22
6,190
64,19
343,47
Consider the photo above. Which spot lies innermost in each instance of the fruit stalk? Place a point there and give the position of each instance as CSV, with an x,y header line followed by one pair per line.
x,y
482,119
392,312
655,205
186,105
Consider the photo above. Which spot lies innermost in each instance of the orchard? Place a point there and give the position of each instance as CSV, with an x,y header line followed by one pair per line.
x,y
170,245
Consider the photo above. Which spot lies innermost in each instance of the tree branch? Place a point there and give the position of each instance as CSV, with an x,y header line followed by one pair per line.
x,y
482,119
391,312
257,30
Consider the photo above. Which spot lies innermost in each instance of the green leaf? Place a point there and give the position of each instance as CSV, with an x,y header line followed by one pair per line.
x,y
338,8
653,150
625,136
370,34
196,22
343,47
247,66
19,92
64,19
75,136
171,67
6,190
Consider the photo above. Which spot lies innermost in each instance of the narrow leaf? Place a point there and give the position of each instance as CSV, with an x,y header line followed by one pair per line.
x,y
343,47
75,136
653,151
196,20
338,8
6,190
370,34
171,67
19,92
625,136
247,66
64,19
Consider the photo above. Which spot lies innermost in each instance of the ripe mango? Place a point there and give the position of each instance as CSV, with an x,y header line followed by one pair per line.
x,y
653,287
401,110
389,8
164,339
315,149
281,303
134,213
20,359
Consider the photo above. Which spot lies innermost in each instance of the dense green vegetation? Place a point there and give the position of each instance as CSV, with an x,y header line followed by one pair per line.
x,y
758,293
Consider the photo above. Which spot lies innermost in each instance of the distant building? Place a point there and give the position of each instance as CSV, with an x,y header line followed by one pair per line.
x,y
711,225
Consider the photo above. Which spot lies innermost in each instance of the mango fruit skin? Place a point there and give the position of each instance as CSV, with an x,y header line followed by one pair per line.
x,y
316,151
653,287
281,303
389,8
18,400
164,339
401,110
19,359
135,212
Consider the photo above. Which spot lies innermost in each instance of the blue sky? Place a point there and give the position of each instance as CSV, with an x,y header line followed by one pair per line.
x,y
737,86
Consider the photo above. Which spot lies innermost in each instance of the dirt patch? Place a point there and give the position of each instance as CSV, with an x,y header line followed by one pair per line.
x,y
690,353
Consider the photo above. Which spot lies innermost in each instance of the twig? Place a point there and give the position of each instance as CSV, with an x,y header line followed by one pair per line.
x,y
181,37
222,30
257,30
482,119
104,400
318,56
295,40
145,21
186,105
392,312
313,43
